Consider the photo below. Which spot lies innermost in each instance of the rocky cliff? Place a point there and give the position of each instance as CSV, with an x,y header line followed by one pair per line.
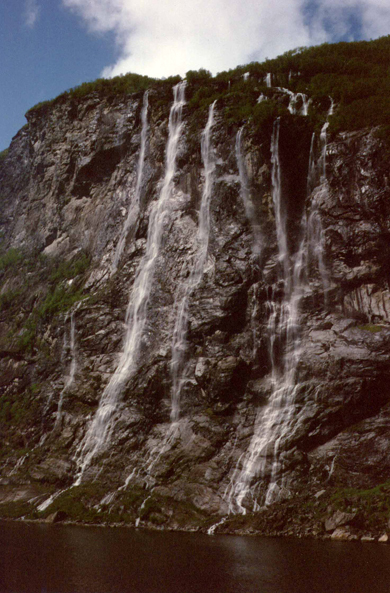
x,y
195,316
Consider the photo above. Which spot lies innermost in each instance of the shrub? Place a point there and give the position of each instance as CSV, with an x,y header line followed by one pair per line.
x,y
3,154
198,77
10,258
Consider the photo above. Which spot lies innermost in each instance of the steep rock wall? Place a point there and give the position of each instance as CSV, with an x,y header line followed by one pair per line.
x,y
283,355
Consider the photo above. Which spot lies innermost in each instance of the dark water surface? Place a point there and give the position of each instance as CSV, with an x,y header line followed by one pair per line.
x,y
65,559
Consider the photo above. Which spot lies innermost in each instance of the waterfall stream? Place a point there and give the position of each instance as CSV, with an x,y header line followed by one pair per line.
x,y
246,198
323,137
179,340
100,430
263,460
133,213
279,210
72,369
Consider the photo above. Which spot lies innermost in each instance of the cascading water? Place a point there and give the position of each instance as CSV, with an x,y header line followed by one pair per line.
x,y
263,461
305,103
280,213
72,369
323,138
295,99
315,235
179,341
246,198
134,207
100,430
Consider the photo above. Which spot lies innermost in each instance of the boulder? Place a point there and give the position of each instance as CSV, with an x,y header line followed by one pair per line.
x,y
56,517
341,534
337,519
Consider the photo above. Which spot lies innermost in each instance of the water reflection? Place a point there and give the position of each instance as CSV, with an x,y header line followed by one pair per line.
x,y
61,559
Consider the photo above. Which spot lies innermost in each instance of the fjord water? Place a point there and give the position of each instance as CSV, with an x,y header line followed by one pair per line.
x,y
68,559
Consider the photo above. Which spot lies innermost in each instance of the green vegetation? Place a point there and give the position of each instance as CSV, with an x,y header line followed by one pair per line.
x,y
10,258
30,301
61,294
16,509
373,504
374,329
198,77
82,503
111,87
78,503
19,409
69,269
8,298
356,75
3,154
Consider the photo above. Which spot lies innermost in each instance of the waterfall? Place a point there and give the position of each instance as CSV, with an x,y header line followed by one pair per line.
x,y
179,341
279,210
245,196
315,238
268,80
263,460
294,97
73,366
211,530
100,430
304,109
323,138
134,207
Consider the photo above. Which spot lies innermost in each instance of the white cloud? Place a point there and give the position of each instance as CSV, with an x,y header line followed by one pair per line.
x,y
31,13
165,37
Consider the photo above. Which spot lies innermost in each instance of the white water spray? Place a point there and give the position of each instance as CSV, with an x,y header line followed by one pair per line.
x,y
323,138
179,340
280,213
246,198
263,461
72,369
134,207
100,430
295,100
211,530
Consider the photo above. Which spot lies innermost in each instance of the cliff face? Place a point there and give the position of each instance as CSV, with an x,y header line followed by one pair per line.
x,y
195,321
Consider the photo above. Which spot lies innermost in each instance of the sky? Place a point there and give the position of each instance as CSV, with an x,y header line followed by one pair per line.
x,y
49,46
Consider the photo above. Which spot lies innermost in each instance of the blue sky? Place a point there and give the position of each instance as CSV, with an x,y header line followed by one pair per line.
x,y
48,46
40,60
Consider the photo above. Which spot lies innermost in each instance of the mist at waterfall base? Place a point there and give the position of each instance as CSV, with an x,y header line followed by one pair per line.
x,y
69,559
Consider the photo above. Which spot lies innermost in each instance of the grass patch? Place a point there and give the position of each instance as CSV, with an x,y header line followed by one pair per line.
x,y
10,258
374,329
17,509
82,504
373,504
105,87
54,287
19,409
3,155
78,503
67,270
